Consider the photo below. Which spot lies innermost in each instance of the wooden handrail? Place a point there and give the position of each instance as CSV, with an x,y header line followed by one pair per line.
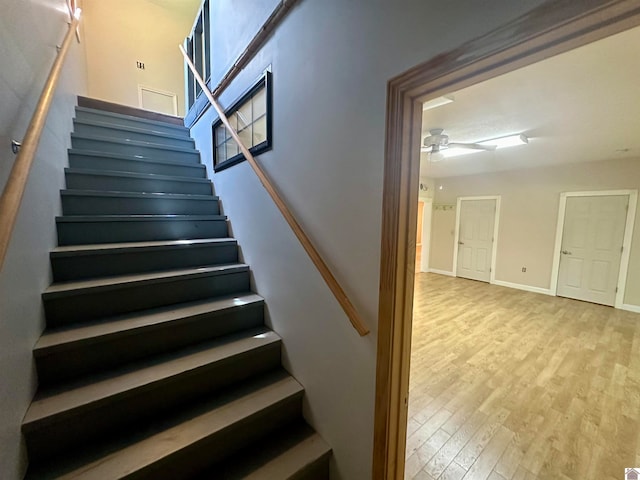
x,y
330,280
16,184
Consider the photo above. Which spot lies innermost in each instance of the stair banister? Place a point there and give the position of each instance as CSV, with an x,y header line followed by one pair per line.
x,y
16,184
339,293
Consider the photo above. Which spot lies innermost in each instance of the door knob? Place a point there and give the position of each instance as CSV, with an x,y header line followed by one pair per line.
x,y
566,252
460,243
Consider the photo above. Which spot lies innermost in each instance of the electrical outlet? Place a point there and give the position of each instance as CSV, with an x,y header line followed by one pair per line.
x,y
524,269
140,65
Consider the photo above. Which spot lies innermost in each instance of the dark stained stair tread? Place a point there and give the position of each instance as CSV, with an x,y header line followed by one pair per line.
x,y
296,452
155,362
79,262
134,143
65,338
96,178
132,158
61,289
140,115
90,347
135,218
48,406
139,147
191,438
142,176
147,195
133,246
178,135
102,202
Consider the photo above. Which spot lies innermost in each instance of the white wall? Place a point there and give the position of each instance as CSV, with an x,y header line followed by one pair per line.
x,y
529,214
331,62
27,50
121,32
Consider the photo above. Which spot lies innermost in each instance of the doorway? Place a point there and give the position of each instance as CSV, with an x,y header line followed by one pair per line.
x,y
423,236
476,237
593,245
545,31
419,235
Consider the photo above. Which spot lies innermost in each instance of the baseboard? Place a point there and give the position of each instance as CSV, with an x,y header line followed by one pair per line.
x,y
441,272
630,308
529,288
526,288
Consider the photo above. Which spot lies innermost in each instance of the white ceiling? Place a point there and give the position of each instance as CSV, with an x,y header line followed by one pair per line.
x,y
190,6
581,106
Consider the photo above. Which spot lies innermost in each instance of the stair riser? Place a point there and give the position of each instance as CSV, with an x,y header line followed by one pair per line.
x,y
109,417
118,134
91,305
121,165
187,464
97,116
80,267
83,181
145,152
79,233
317,471
108,353
87,205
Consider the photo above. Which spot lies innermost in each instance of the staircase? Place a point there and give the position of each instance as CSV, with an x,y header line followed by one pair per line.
x,y
155,362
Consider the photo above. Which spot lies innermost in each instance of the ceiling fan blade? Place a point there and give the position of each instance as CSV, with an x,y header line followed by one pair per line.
x,y
472,146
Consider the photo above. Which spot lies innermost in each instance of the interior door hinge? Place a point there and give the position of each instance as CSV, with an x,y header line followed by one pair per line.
x,y
622,248
616,289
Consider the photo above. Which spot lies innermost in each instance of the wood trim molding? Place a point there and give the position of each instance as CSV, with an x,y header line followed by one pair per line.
x,y
630,308
523,287
554,27
446,273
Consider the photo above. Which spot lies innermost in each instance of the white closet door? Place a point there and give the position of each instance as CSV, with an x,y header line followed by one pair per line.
x,y
591,250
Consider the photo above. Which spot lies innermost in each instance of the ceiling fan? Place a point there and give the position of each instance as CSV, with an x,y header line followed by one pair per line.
x,y
437,141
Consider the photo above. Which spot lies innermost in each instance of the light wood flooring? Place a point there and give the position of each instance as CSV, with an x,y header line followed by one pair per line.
x,y
507,384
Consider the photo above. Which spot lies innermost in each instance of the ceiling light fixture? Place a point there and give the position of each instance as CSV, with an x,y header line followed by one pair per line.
x,y
437,102
500,142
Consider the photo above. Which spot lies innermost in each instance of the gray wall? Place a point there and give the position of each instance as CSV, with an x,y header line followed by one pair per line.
x,y
331,61
29,32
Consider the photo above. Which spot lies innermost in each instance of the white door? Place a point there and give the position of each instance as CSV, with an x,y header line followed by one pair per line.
x,y
475,239
426,235
591,249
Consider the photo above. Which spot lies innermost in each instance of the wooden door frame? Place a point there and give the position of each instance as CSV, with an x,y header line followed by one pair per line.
x,y
554,27
626,243
494,245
